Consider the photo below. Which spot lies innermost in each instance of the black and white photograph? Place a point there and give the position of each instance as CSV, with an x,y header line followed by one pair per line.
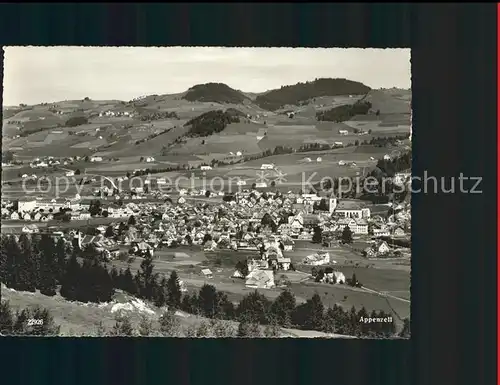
x,y
206,192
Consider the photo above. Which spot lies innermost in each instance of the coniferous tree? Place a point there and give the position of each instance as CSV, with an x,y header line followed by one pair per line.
x,y
109,232
6,318
190,304
146,278
375,329
28,267
364,328
283,307
317,235
225,308
48,266
3,260
115,277
101,284
347,235
71,280
174,293
128,282
310,315
207,300
388,329
354,324
13,265
335,320
254,308
161,293
85,287
315,322
61,254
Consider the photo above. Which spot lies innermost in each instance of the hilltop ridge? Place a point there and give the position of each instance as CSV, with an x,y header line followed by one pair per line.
x,y
214,92
294,94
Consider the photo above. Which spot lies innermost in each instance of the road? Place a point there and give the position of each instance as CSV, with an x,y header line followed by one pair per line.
x,y
104,177
386,294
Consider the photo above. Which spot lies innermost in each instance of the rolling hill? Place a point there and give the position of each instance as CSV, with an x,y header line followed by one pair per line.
x,y
218,118
387,103
214,92
293,95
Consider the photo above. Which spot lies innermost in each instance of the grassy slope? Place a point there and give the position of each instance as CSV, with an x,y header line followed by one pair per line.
x,y
81,319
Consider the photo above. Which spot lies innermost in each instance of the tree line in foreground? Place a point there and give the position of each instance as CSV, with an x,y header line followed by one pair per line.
x,y
38,262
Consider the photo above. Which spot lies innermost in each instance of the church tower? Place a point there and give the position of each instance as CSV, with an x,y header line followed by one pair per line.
x,y
332,204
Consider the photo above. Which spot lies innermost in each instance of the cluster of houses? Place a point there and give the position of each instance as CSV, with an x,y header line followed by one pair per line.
x,y
50,161
290,215
318,259
261,271
115,114
265,222
332,276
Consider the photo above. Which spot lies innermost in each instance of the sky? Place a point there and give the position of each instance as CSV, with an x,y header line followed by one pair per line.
x,y
48,74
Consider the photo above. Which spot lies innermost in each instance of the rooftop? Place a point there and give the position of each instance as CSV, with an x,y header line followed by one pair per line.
x,y
350,205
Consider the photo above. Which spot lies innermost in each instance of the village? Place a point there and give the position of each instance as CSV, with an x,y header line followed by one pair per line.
x,y
260,228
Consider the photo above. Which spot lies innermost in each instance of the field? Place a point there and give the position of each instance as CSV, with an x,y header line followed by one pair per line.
x,y
108,137
78,319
